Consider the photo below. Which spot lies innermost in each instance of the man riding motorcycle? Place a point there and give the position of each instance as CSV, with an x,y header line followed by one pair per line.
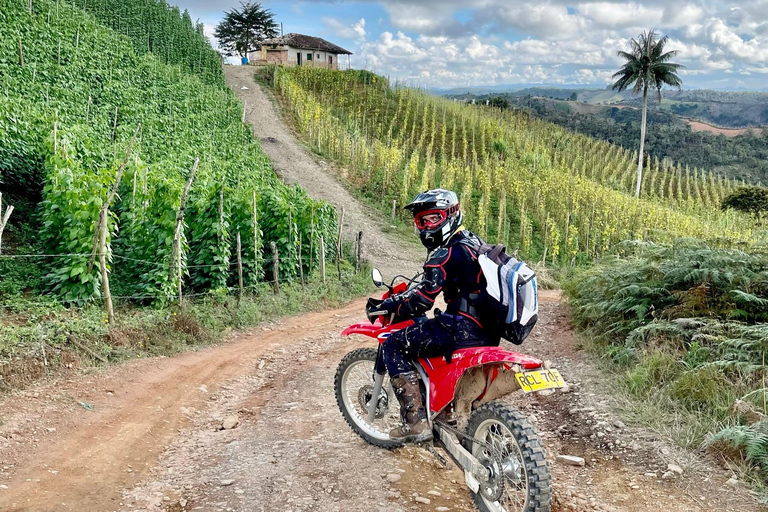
x,y
451,268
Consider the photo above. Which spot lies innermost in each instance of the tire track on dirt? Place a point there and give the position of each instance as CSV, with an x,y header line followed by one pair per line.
x,y
59,456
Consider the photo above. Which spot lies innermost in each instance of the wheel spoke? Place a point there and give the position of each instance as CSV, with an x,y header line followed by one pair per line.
x,y
357,376
503,445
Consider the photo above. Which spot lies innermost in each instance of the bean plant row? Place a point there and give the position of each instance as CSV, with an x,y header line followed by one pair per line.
x,y
552,193
73,93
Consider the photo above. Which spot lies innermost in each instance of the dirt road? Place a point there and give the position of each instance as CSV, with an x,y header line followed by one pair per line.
x,y
153,439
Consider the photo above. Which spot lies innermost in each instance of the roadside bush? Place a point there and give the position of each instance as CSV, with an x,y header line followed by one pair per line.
x,y
686,326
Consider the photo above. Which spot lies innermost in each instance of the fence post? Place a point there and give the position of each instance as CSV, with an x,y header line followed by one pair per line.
x,y
359,254
176,255
275,268
322,257
256,262
338,243
239,268
311,237
394,209
301,265
4,220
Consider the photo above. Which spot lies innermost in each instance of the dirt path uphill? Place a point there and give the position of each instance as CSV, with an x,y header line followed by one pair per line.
x,y
295,164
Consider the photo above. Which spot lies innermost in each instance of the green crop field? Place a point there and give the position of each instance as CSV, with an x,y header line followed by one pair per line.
x,y
556,195
77,87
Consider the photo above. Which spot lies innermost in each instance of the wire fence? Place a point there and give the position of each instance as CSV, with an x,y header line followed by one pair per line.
x,y
114,256
82,303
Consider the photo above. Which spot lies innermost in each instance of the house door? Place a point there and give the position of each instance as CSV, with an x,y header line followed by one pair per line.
x,y
330,62
298,58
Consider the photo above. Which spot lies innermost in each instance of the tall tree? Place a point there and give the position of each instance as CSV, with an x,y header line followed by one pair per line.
x,y
242,30
647,66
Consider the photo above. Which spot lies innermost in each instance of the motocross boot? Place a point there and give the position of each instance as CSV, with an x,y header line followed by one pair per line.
x,y
415,427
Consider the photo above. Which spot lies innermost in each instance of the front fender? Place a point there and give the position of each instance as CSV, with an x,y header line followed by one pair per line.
x,y
364,328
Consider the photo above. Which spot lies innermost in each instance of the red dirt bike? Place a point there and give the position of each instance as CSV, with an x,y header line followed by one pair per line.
x,y
499,450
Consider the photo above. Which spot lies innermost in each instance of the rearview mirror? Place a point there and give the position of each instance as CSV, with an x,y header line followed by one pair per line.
x,y
376,276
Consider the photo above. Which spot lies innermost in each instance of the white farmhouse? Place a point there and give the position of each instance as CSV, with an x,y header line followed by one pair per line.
x,y
299,50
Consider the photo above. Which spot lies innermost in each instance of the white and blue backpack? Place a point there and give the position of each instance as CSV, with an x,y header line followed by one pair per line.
x,y
510,295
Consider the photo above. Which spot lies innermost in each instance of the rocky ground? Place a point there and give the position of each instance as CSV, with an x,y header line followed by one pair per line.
x,y
252,425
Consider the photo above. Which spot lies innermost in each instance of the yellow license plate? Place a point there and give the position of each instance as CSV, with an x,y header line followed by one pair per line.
x,y
539,379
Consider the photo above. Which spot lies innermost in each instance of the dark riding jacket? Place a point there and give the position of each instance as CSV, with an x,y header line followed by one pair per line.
x,y
453,270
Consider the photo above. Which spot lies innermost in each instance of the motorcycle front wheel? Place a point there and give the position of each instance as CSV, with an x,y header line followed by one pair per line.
x,y
354,389
515,456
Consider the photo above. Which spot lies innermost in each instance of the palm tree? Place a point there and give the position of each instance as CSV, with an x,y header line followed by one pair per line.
x,y
647,65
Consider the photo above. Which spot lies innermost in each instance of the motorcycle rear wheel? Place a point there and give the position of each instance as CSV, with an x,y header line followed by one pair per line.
x,y
524,472
353,385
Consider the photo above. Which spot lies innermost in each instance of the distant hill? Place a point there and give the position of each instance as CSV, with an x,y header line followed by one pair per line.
x,y
727,109
743,155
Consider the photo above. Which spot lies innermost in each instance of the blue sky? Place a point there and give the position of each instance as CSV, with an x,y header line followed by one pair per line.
x,y
451,43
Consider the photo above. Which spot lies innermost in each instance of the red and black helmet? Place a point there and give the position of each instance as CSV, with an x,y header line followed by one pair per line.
x,y
444,203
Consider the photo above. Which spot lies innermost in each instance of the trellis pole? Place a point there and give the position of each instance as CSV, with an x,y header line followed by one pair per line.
x,y
256,262
338,243
275,267
4,219
176,270
239,269
100,244
359,253
322,257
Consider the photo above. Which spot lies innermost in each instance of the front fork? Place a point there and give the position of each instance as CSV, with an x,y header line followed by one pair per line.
x,y
379,370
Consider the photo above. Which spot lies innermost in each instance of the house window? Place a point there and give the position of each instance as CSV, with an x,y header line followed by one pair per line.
x,y
309,57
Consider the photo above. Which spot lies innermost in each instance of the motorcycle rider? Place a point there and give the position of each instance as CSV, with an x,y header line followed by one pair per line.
x,y
451,268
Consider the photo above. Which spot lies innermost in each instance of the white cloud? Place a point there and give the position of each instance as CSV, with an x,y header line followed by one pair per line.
x,y
754,51
356,31
621,15
543,20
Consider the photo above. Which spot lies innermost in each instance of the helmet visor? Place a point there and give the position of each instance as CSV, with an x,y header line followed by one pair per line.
x,y
430,219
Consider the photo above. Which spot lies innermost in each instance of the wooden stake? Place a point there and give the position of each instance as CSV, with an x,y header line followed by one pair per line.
x,y
21,54
103,264
256,258
4,219
176,270
275,267
301,265
311,237
394,209
239,268
359,254
338,243
101,234
245,104
322,257
103,229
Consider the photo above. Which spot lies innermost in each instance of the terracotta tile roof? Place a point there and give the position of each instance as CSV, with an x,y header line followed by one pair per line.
x,y
306,43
